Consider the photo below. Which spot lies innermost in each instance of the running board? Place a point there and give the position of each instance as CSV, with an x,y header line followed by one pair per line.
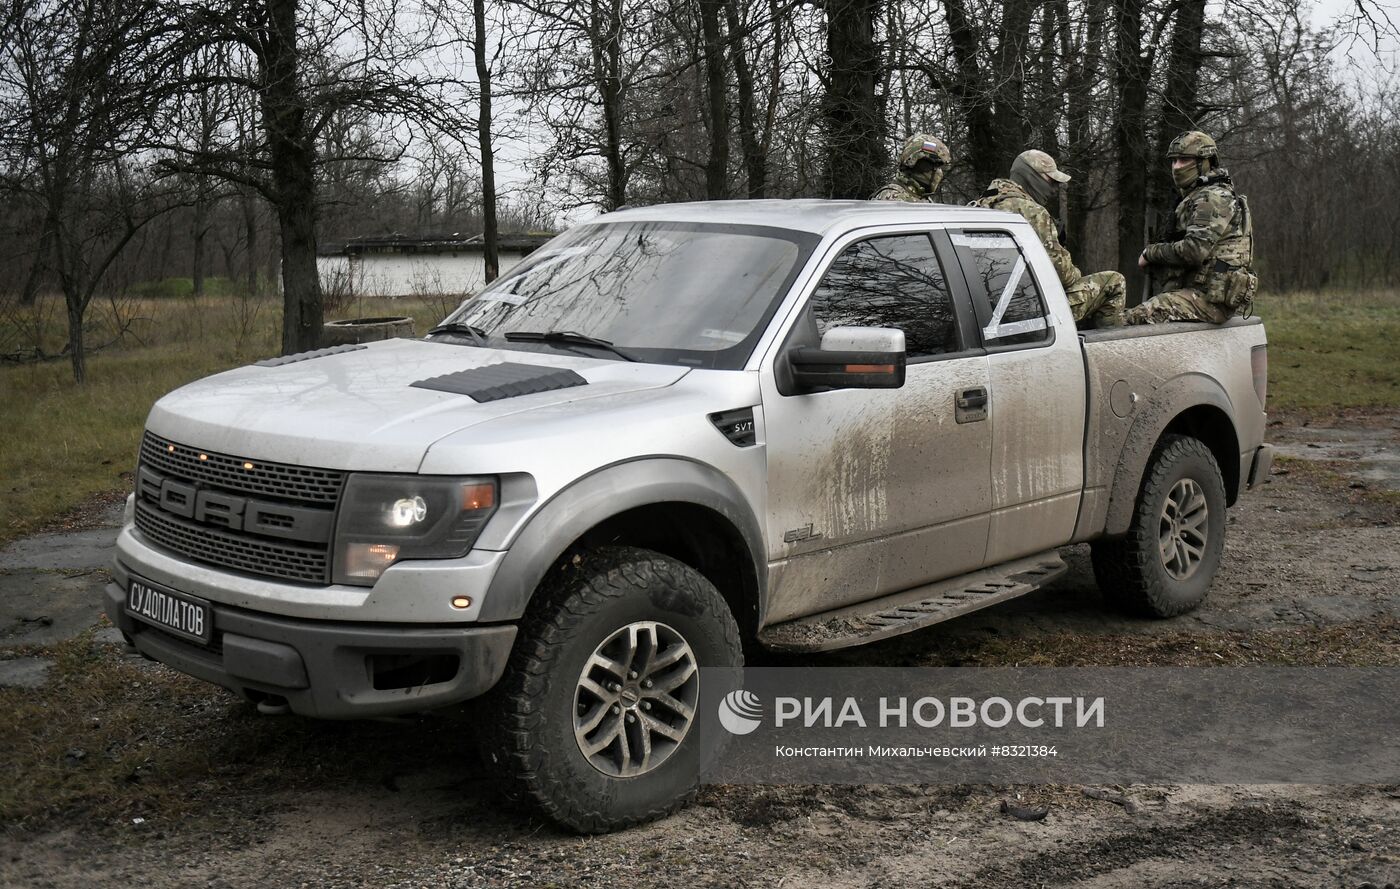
x,y
914,609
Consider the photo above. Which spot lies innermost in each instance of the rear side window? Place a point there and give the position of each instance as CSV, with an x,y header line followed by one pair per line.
x,y
997,273
891,281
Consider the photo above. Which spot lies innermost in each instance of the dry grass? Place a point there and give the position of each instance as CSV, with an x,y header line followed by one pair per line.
x,y
1332,350
61,444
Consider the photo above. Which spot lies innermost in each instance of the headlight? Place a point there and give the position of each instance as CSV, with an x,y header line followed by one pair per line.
x,y
388,518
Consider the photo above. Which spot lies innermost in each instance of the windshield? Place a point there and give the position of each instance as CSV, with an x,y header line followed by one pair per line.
x,y
698,294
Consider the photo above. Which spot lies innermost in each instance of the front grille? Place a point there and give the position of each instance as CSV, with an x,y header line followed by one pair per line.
x,y
299,484
197,503
232,550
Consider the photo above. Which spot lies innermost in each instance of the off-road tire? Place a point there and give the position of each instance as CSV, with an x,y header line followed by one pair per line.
x,y
1131,570
592,595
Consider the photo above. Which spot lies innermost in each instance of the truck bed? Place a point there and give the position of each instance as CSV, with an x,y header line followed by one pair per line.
x,y
1139,379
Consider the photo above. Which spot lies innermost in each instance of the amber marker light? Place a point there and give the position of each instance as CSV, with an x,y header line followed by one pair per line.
x,y
170,448
870,368
247,466
478,496
203,456
461,602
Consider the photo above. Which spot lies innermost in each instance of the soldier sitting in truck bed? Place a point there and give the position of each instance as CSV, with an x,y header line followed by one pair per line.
x,y
1098,299
1207,259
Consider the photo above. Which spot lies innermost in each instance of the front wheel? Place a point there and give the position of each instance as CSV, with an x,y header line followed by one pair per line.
x,y
596,712
1164,565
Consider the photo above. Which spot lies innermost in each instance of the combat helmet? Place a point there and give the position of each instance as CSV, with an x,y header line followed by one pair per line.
x,y
1199,147
1193,143
924,147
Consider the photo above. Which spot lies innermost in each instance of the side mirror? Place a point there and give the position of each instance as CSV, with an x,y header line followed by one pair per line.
x,y
851,358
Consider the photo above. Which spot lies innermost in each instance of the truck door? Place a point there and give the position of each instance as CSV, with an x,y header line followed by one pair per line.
x,y
872,491
1037,393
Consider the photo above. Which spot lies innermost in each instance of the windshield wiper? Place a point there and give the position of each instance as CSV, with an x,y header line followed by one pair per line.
x,y
567,338
459,328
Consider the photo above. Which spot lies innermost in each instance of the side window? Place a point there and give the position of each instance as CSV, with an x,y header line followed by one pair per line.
x,y
997,272
891,281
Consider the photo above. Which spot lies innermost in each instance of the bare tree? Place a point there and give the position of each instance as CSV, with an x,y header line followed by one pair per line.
x,y
70,111
306,65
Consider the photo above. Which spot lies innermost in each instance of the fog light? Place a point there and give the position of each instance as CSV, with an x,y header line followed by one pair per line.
x,y
408,511
369,560
461,601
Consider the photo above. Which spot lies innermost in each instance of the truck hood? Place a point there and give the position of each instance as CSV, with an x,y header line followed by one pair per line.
x,y
357,410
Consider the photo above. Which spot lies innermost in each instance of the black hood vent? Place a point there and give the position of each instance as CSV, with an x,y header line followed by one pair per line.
x,y
307,356
496,381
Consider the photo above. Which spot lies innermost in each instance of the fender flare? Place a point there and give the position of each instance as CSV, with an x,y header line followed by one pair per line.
x,y
597,497
1173,398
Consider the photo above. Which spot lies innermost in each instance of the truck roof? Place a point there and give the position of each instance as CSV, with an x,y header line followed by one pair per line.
x,y
809,214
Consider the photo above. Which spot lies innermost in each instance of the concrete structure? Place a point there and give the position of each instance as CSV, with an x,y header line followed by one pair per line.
x,y
425,265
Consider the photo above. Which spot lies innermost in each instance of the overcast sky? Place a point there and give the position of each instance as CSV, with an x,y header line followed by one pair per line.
x,y
1361,55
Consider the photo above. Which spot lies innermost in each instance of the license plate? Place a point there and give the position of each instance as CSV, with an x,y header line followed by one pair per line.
x,y
174,612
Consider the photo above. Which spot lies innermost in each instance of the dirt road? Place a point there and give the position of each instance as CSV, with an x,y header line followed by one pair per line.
x,y
131,775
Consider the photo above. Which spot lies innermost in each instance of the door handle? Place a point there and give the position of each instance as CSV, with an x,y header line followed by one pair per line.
x,y
970,398
971,405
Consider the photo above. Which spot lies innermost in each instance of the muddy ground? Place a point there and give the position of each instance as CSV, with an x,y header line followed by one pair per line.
x,y
127,774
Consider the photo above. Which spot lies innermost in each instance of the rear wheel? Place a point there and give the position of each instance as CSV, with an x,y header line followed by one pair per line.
x,y
596,712
1164,565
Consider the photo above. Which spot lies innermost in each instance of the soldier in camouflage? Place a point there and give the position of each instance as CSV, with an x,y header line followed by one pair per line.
x,y
922,162
1207,260
1097,299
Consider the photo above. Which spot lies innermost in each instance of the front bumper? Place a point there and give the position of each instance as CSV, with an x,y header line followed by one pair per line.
x,y
409,592
330,669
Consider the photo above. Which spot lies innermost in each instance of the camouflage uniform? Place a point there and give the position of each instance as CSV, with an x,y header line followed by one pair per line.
x,y
907,186
1207,258
1099,296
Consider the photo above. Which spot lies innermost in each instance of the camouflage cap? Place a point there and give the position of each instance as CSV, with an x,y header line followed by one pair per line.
x,y
1192,143
1043,163
921,145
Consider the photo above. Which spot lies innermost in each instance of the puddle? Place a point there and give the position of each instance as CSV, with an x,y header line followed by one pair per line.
x,y
1371,456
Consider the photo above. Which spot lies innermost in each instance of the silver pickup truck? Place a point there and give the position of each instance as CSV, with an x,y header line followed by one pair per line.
x,y
669,434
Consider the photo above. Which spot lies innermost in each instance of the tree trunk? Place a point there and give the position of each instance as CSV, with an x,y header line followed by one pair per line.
x,y
301,288
1179,103
976,111
717,98
1080,113
77,350
201,224
491,258
755,159
856,153
606,27
1130,142
30,294
292,156
250,234
1011,59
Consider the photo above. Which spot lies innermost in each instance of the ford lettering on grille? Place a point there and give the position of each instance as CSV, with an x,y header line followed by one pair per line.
x,y
233,513
215,508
